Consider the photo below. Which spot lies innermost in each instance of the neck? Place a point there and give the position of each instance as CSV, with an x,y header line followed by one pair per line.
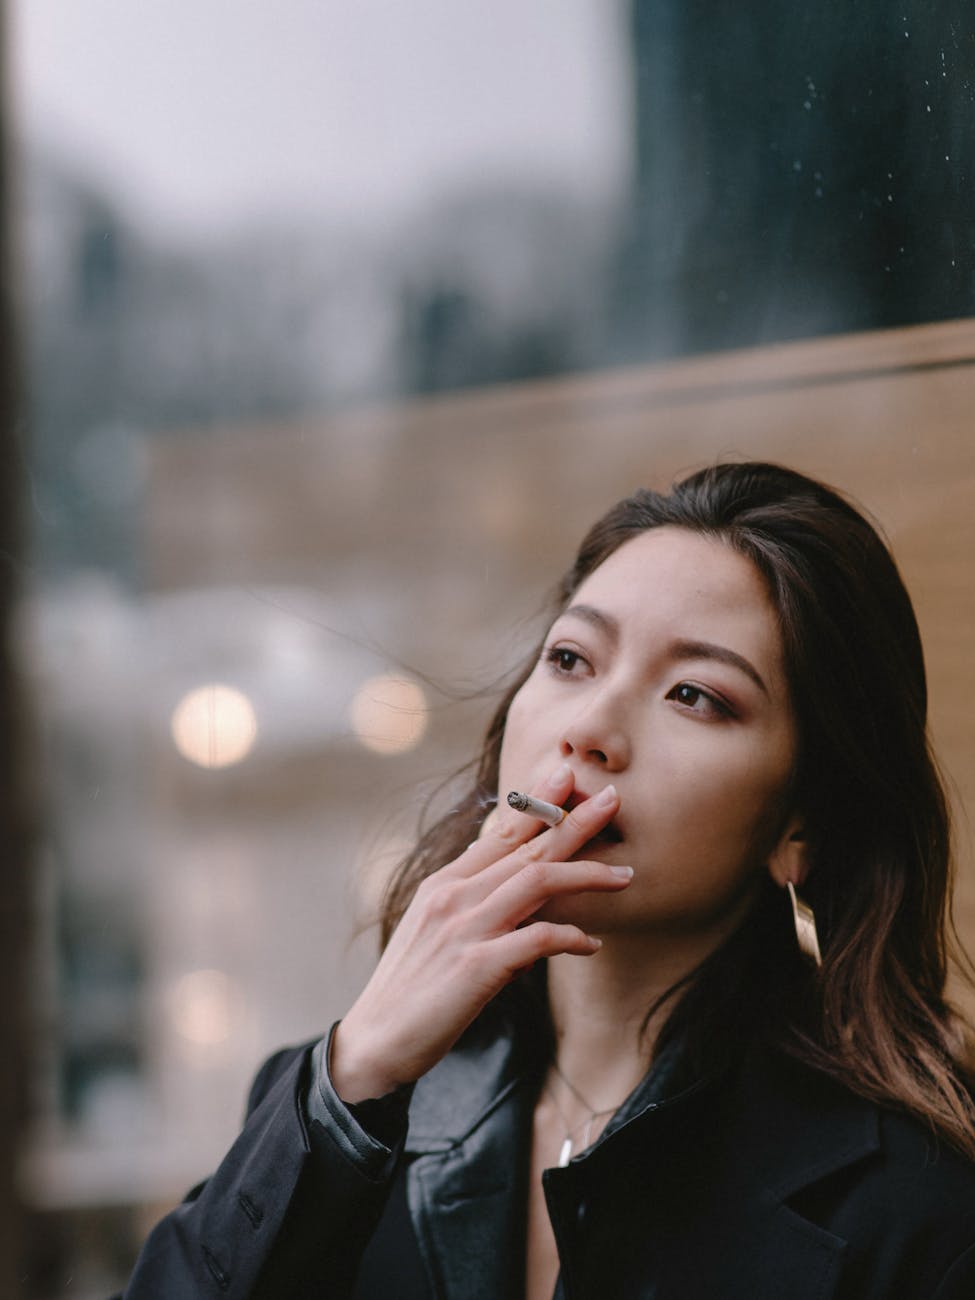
x,y
604,1042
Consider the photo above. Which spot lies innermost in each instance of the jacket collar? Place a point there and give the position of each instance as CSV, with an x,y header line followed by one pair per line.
x,y
459,1094
801,1125
469,1138
470,1134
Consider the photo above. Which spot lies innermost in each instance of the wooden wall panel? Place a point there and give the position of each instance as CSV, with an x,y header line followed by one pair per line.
x,y
451,500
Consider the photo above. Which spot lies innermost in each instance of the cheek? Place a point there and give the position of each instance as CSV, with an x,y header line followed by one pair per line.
x,y
767,793
731,810
523,730
757,813
512,756
517,710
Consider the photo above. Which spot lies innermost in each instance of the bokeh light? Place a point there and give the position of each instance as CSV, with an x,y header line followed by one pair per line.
x,y
389,714
204,1007
214,726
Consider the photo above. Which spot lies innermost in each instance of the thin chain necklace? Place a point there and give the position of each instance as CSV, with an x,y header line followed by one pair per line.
x,y
568,1145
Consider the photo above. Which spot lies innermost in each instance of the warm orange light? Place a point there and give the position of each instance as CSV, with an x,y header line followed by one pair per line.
x,y
214,726
389,714
203,1006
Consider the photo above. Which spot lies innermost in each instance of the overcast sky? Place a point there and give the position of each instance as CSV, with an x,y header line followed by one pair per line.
x,y
200,111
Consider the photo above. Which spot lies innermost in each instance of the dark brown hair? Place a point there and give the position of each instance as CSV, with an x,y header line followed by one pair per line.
x,y
874,810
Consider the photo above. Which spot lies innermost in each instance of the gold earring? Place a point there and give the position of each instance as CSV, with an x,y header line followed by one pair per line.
x,y
805,923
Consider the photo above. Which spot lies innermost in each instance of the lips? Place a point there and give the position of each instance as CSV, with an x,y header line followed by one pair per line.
x,y
610,833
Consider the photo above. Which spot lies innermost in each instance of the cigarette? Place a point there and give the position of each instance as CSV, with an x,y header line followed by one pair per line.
x,y
549,813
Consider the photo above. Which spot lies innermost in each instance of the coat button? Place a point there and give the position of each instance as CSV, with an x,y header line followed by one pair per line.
x,y
581,1212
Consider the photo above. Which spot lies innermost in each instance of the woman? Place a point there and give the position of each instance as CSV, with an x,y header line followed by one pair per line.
x,y
593,1059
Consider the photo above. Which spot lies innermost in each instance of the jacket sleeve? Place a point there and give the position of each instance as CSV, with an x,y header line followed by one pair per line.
x,y
290,1208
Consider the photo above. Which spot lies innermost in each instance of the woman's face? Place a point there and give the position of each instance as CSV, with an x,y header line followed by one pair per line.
x,y
665,677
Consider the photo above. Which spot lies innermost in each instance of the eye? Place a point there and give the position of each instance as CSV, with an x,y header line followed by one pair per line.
x,y
697,700
563,661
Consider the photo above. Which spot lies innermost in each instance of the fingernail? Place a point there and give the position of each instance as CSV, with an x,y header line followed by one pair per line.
x,y
624,873
605,797
596,943
560,775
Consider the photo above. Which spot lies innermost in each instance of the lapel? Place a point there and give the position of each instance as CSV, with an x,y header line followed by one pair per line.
x,y
716,1191
470,1126
733,1173
799,1126
800,1137
741,1153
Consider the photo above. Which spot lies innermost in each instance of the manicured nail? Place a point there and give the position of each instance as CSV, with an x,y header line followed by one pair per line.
x,y
605,797
624,873
596,943
560,775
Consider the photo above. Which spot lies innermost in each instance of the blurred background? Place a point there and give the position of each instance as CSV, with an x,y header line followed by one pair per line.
x,y
328,330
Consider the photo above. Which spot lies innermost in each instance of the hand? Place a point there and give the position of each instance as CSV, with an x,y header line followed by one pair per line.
x,y
468,931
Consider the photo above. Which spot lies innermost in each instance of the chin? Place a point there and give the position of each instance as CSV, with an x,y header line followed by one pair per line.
x,y
597,914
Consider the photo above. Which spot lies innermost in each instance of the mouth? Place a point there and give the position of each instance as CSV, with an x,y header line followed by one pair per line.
x,y
610,833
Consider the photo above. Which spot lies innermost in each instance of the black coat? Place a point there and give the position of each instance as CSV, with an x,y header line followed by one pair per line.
x,y
766,1182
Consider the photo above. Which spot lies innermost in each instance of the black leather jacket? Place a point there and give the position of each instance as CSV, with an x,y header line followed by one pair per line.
x,y
765,1181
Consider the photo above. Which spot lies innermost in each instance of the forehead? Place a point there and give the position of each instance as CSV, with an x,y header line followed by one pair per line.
x,y
674,581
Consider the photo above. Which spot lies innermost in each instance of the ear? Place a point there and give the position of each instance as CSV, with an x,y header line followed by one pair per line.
x,y
789,860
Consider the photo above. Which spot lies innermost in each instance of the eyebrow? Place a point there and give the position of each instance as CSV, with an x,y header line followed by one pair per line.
x,y
680,649
598,618
721,653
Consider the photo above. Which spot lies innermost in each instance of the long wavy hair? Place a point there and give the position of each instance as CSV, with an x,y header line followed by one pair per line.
x,y
876,820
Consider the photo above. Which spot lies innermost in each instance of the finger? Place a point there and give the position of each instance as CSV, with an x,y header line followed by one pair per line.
x,y
504,829
514,827
522,948
530,889
556,844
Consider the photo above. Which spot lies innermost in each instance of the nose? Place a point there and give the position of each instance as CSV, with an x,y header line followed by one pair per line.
x,y
598,735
